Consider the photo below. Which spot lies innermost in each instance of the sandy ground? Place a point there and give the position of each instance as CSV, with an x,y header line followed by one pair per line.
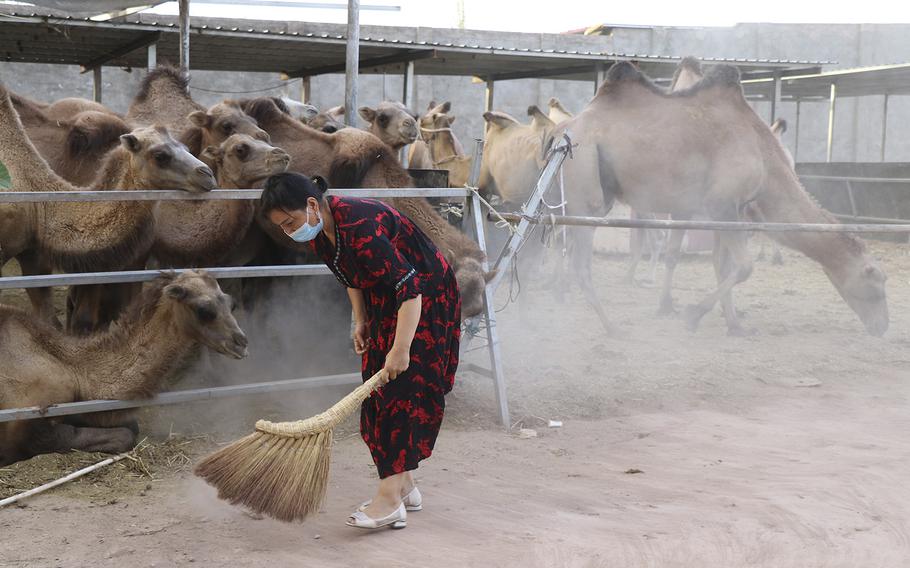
x,y
788,448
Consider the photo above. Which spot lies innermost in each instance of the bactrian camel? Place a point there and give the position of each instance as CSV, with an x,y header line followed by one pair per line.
x,y
155,338
77,237
392,123
704,150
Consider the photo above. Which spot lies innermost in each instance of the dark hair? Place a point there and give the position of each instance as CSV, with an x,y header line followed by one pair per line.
x,y
290,191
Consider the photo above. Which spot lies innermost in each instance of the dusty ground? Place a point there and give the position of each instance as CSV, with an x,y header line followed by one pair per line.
x,y
784,449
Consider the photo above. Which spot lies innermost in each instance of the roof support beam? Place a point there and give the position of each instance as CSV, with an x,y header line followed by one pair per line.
x,y
407,56
184,35
144,40
543,73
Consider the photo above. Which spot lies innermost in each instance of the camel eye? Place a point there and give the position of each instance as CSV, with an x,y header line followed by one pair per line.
x,y
383,120
206,314
162,158
227,127
242,151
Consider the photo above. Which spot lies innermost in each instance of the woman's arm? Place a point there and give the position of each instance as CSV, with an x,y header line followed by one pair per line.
x,y
399,357
358,305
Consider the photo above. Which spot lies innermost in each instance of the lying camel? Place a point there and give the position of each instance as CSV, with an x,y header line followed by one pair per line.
x,y
704,150
354,158
77,237
392,123
155,339
328,121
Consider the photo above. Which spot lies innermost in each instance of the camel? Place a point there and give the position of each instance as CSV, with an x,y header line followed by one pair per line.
x,y
329,121
161,332
301,111
392,123
704,150
558,112
354,158
178,241
512,153
437,117
78,237
203,234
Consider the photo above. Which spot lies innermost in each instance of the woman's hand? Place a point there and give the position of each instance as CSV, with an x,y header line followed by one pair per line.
x,y
397,361
360,335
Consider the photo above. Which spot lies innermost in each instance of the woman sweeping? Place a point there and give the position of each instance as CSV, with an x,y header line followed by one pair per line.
x,y
407,317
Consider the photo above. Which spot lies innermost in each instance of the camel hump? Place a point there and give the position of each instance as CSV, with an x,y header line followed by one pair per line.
x,y
623,71
721,75
93,132
779,126
263,110
535,112
691,63
500,119
163,73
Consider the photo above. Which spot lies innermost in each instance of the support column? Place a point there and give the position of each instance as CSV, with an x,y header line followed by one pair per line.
x,y
152,56
410,88
600,75
305,90
184,35
96,83
775,98
488,96
796,132
884,127
833,99
352,62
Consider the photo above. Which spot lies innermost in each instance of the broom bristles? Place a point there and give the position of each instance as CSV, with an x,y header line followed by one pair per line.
x,y
281,477
282,469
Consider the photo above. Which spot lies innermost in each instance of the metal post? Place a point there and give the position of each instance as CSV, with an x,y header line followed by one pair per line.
x,y
352,62
775,99
96,83
884,127
852,199
410,88
184,35
305,90
488,96
152,55
831,122
600,75
796,133
474,210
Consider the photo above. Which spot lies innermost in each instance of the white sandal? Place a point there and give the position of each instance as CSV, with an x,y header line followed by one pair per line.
x,y
397,520
413,501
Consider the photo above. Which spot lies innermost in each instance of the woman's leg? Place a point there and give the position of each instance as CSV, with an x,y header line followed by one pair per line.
x,y
388,495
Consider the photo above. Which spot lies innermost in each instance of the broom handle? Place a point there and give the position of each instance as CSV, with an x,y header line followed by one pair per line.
x,y
330,418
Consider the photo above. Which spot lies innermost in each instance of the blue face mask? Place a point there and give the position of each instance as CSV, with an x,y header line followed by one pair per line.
x,y
307,232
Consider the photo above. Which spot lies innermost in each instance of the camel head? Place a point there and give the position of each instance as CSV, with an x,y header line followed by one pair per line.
x,y
392,123
436,117
328,121
861,283
93,132
243,161
203,312
301,111
223,120
159,161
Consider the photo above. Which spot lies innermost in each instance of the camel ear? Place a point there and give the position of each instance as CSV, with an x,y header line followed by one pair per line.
x,y
130,142
367,114
431,106
446,106
177,292
212,155
200,118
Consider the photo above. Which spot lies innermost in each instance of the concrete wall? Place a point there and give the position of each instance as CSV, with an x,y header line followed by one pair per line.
x,y
857,122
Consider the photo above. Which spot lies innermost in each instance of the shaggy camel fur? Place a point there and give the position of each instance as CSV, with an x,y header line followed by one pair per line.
x,y
704,150
160,333
89,236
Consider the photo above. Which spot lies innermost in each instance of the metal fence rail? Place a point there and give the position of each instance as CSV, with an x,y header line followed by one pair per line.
x,y
217,194
708,225
174,397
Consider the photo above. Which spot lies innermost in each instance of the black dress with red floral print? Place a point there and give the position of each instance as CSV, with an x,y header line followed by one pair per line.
x,y
382,253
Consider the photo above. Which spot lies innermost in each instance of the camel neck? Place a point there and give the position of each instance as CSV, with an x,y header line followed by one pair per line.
x,y
444,145
139,356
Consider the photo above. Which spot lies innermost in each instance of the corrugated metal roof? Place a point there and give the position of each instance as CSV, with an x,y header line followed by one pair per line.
x,y
856,82
241,45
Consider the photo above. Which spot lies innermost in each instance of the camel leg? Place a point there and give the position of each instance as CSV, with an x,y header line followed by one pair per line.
x,y
636,247
671,259
777,257
740,269
48,437
723,267
582,256
42,299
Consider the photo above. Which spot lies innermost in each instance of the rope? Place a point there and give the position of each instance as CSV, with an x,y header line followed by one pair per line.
x,y
220,92
501,223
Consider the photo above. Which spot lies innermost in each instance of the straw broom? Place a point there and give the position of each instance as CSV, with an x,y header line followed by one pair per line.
x,y
281,470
